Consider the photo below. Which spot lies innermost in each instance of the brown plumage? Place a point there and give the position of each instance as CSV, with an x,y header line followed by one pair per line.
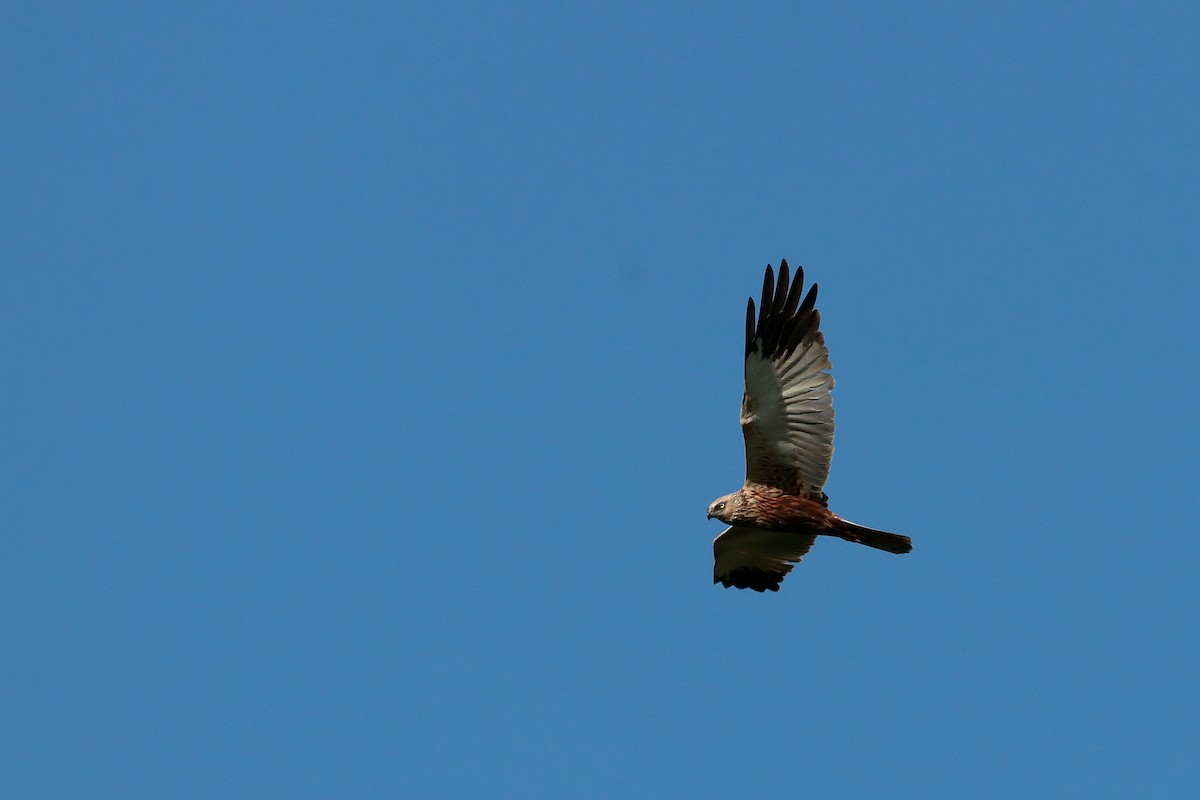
x,y
787,422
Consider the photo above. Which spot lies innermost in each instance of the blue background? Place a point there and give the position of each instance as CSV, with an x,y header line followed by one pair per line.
x,y
368,370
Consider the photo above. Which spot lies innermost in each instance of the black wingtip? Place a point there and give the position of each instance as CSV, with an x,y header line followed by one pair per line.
x,y
781,284
768,299
750,326
751,578
784,321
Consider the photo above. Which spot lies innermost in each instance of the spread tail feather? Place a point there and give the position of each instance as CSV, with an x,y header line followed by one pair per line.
x,y
880,540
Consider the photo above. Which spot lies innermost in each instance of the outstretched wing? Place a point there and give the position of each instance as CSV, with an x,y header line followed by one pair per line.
x,y
787,410
750,558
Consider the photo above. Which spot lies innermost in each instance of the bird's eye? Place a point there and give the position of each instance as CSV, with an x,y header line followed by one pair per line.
x,y
720,506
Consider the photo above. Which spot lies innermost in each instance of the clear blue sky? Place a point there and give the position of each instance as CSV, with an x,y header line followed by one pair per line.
x,y
368,370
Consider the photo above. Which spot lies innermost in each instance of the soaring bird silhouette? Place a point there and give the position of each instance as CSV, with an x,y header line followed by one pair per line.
x,y
787,422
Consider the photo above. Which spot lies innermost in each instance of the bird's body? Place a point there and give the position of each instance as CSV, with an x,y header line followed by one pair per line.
x,y
787,422
768,508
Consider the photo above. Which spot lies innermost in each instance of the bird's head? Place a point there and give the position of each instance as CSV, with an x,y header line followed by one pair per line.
x,y
724,508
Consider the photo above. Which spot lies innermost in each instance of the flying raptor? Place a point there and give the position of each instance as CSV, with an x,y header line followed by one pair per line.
x,y
787,422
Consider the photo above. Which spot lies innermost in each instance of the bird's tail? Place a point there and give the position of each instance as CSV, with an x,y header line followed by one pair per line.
x,y
880,540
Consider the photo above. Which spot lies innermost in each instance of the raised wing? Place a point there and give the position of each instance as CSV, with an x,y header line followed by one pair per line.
x,y
750,558
787,410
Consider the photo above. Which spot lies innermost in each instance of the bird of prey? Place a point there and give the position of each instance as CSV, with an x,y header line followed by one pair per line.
x,y
787,422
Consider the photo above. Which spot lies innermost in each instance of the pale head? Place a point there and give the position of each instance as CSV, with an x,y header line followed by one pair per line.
x,y
725,508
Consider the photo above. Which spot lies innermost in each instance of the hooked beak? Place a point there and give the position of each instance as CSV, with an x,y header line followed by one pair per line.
x,y
710,516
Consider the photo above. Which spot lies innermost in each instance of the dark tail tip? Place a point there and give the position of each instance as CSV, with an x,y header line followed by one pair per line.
x,y
880,540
